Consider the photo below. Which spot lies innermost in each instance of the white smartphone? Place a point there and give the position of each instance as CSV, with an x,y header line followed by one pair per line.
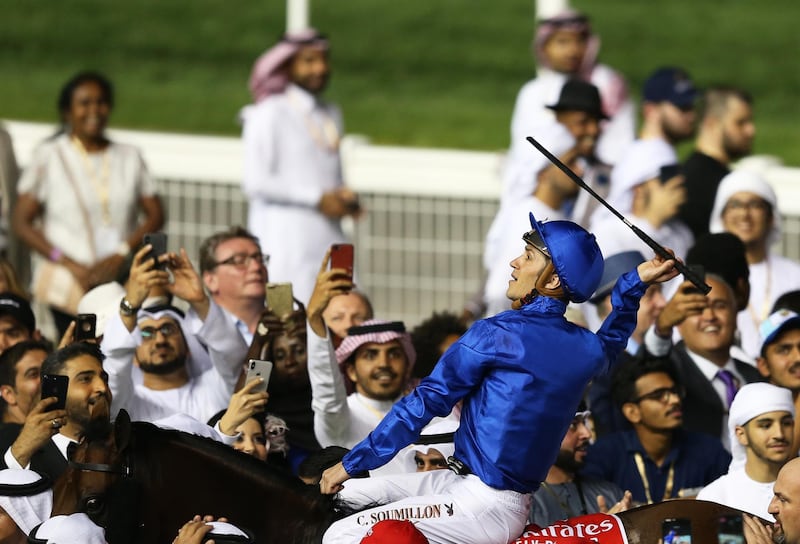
x,y
257,368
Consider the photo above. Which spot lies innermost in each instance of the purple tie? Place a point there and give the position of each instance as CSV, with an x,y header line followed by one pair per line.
x,y
730,384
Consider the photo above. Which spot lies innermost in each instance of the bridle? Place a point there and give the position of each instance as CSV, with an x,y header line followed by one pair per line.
x,y
124,468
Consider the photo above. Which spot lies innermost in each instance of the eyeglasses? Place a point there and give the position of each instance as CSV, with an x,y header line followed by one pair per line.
x,y
662,395
243,260
167,329
757,205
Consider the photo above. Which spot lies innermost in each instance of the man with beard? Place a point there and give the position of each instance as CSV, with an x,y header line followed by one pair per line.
x,y
785,504
153,341
292,168
565,494
42,443
761,427
725,135
645,183
779,361
657,460
377,358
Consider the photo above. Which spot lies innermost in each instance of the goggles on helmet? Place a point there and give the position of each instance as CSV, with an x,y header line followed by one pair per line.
x,y
533,238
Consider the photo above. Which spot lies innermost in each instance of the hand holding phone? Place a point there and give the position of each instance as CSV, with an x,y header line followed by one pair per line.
x,y
257,368
342,257
159,242
86,327
55,385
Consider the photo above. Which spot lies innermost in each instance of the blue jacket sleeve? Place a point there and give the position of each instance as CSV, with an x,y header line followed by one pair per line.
x,y
620,323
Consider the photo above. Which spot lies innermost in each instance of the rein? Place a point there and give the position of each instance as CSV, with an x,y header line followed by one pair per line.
x,y
123,469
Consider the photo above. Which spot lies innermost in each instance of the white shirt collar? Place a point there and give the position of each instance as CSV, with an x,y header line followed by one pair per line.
x,y
62,442
710,369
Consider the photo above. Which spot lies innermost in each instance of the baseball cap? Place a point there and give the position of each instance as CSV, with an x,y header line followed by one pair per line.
x,y
670,84
394,531
777,323
18,308
613,267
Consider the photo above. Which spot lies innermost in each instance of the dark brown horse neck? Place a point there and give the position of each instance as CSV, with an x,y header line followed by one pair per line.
x,y
175,475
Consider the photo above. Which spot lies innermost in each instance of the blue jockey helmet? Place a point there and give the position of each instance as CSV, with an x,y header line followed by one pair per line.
x,y
575,254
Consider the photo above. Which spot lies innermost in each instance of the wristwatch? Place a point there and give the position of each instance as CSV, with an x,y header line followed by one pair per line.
x,y
128,309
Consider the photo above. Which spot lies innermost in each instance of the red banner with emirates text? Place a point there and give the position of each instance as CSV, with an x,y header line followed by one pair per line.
x,y
599,528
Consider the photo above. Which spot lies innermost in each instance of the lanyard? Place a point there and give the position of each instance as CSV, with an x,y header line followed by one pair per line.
x,y
670,479
762,313
565,507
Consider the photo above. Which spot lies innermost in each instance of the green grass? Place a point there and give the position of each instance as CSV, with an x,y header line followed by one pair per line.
x,y
440,73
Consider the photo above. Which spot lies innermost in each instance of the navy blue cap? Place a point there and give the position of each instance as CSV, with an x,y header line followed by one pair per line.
x,y
670,85
18,308
615,266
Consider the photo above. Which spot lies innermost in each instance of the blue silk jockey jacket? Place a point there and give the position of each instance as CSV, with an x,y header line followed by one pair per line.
x,y
522,374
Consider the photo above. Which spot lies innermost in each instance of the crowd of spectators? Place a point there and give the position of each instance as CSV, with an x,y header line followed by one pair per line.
x,y
701,403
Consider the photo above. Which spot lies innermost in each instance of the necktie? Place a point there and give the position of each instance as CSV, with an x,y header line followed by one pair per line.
x,y
730,384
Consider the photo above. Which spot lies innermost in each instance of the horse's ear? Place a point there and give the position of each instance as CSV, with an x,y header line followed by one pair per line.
x,y
122,430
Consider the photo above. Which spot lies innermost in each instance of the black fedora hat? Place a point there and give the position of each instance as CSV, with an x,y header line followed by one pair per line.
x,y
577,95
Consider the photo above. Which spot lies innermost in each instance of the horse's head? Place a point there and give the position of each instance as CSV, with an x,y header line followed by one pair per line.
x,y
98,481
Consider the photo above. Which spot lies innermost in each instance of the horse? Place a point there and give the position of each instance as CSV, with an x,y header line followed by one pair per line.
x,y
142,483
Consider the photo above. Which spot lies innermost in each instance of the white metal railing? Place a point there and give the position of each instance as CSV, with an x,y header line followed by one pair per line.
x,y
419,247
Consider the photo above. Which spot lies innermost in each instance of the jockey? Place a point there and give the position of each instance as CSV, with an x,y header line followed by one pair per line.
x,y
521,374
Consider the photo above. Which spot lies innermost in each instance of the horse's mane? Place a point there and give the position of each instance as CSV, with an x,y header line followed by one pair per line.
x,y
149,439
231,468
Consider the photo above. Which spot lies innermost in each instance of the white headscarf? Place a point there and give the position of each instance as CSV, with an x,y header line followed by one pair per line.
x,y
751,401
739,181
72,529
447,449
27,511
197,358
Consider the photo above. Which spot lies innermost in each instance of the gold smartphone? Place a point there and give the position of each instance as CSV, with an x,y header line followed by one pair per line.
x,y
279,298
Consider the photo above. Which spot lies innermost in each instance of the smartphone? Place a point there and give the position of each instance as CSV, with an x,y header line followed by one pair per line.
x,y
86,327
676,531
159,242
342,257
257,368
730,530
666,173
280,298
55,385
